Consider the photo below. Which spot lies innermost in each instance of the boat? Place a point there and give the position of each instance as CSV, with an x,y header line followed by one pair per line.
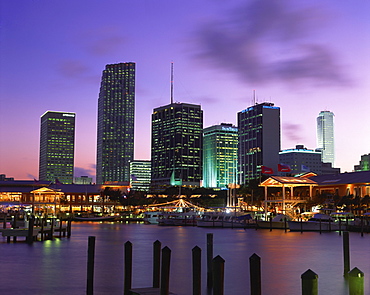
x,y
280,221
151,217
226,220
319,222
93,217
179,218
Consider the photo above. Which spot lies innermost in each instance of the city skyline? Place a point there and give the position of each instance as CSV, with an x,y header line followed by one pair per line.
x,y
306,57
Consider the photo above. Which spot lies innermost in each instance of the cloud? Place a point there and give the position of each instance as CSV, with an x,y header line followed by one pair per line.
x,y
292,132
79,171
268,42
72,68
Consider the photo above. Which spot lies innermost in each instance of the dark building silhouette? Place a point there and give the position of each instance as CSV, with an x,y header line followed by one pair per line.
x,y
176,152
57,138
259,140
116,109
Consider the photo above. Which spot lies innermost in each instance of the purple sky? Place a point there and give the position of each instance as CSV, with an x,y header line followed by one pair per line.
x,y
305,56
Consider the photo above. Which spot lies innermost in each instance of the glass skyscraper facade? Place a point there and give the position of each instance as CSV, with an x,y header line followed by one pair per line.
x,y
140,175
259,140
325,136
220,155
116,109
57,138
177,144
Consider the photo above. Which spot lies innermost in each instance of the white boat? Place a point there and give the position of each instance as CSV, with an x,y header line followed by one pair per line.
x,y
93,217
280,221
151,217
319,222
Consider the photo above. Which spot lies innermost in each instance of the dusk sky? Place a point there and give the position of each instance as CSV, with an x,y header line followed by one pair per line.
x,y
304,56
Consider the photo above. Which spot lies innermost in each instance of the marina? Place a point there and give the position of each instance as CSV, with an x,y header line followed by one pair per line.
x,y
46,266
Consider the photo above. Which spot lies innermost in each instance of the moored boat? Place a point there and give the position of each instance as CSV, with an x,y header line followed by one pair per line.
x,y
319,222
152,217
280,221
226,220
93,217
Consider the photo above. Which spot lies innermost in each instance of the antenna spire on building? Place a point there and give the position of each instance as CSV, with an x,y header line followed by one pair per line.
x,y
171,82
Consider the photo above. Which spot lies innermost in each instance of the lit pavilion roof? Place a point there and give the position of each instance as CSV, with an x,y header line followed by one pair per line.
x,y
287,181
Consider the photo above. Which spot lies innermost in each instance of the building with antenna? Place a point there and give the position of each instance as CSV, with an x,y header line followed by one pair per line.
x,y
325,136
176,151
259,140
116,109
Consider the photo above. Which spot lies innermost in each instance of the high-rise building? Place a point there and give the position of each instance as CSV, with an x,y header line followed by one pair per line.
x,y
301,160
116,109
325,136
177,145
57,138
259,140
140,173
220,155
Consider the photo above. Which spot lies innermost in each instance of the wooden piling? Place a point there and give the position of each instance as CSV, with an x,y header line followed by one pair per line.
x,y
128,268
30,229
4,221
218,275
90,265
309,281
156,263
209,259
69,227
346,253
165,271
356,282
52,220
255,274
197,270
60,227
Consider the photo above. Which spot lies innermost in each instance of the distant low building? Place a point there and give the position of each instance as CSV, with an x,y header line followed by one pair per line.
x,y
82,180
140,174
364,164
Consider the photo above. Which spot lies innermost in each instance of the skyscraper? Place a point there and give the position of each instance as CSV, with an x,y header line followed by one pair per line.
x,y
140,175
325,136
259,140
57,139
220,155
177,144
116,109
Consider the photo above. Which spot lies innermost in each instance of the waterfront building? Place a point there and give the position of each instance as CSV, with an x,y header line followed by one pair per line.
x,y
259,140
301,160
364,164
57,141
325,136
140,174
220,155
176,151
116,109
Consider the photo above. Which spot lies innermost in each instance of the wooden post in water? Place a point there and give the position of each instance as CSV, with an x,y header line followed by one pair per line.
x,y
128,268
60,227
346,253
51,228
209,259
270,223
309,281
285,224
340,226
30,229
156,263
255,274
218,275
42,229
90,265
197,270
165,271
356,282
4,221
69,227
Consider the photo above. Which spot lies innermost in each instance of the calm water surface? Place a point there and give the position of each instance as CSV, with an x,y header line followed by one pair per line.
x,y
59,266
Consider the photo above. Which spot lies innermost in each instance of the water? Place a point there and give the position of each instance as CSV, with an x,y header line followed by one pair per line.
x,y
59,266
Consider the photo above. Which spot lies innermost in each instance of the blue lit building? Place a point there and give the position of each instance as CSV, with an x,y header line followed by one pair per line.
x,y
116,109
220,155
325,136
259,140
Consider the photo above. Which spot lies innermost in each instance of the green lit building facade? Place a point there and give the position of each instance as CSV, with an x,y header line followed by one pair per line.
x,y
140,173
57,138
259,140
220,155
176,151
116,109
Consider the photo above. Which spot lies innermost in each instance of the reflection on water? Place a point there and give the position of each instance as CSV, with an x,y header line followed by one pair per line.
x,y
59,266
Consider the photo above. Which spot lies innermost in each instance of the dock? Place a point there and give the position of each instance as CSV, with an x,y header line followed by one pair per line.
x,y
147,291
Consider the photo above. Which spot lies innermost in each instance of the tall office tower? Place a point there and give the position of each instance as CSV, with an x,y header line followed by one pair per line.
x,y
259,140
325,136
177,145
57,138
220,155
140,175
116,109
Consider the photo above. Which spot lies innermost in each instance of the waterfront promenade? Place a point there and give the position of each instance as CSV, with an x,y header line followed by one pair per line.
x,y
59,266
